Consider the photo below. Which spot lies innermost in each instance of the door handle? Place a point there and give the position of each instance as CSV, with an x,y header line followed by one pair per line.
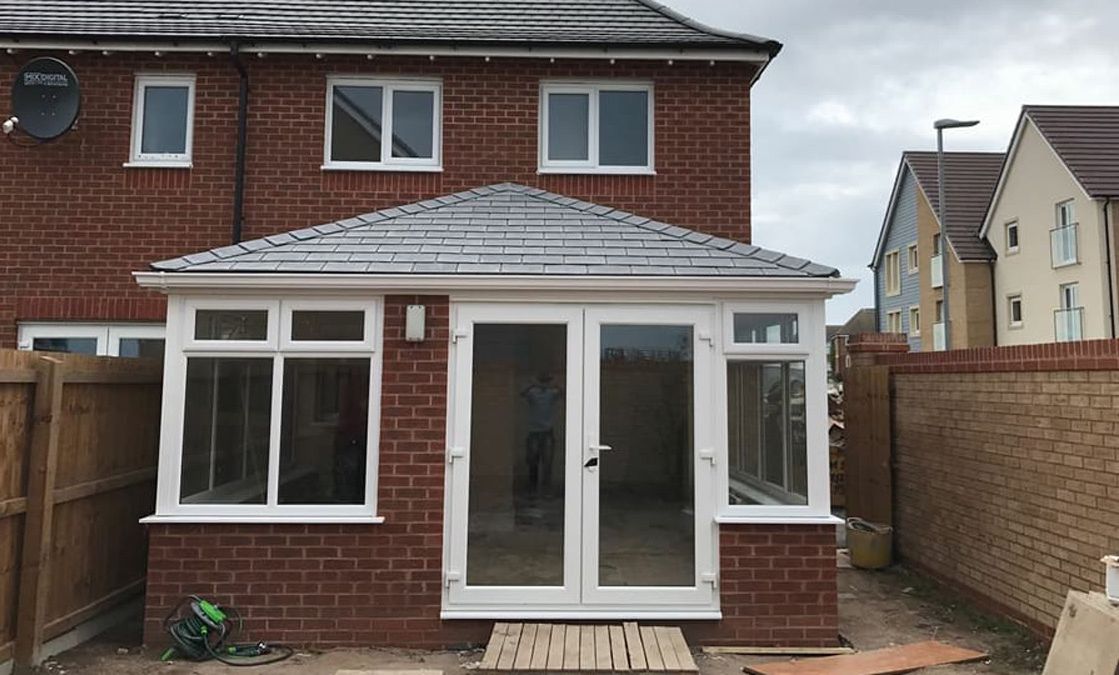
x,y
599,448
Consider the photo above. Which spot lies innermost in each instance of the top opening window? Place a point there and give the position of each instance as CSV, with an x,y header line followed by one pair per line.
x,y
596,128
163,120
766,328
382,124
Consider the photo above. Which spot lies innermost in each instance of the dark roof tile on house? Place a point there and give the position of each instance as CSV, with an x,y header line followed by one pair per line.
x,y
496,230
633,23
862,321
971,179
1086,138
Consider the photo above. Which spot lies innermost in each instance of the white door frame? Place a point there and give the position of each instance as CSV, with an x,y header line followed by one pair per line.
x,y
579,597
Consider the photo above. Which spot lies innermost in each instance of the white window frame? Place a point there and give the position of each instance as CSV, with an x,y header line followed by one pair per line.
x,y
1011,299
181,345
894,317
811,350
593,89
1013,224
892,266
172,160
388,87
1065,219
911,259
108,336
915,312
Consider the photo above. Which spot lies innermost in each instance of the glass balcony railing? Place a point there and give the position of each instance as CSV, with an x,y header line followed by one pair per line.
x,y
1069,324
936,271
1063,244
938,336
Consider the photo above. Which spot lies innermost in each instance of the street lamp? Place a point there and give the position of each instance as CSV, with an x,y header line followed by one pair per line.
x,y
940,126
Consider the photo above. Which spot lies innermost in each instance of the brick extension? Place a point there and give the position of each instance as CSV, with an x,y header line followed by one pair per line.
x,y
75,222
1006,465
361,585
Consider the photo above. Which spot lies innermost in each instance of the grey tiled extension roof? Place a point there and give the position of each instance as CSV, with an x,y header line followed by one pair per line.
x,y
504,229
971,179
554,22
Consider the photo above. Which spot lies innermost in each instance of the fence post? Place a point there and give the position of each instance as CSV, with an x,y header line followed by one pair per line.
x,y
34,575
869,427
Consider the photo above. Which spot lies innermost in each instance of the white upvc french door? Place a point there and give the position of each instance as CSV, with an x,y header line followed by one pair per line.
x,y
579,440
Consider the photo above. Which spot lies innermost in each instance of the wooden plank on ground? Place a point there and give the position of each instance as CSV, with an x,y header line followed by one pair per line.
x,y
1085,639
683,652
555,649
618,649
493,649
571,648
634,647
668,650
540,648
602,648
586,647
509,647
889,661
652,652
524,648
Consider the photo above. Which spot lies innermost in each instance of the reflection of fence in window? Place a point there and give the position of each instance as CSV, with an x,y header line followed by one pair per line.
x,y
767,433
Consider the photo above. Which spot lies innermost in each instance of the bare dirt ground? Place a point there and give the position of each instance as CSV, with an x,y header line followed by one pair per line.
x,y
878,609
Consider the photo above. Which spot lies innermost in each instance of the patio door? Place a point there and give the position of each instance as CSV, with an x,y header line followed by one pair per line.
x,y
577,449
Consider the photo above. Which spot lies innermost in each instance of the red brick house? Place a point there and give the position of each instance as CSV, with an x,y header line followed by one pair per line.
x,y
518,361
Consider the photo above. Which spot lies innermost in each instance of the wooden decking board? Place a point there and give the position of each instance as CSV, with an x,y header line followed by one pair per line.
x,y
583,648
876,662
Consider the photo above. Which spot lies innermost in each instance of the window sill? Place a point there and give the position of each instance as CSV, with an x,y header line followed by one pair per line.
x,y
263,520
596,171
158,164
382,168
1066,264
778,520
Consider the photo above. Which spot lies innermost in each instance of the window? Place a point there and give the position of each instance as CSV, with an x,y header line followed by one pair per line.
x,y
1063,238
1014,310
278,410
939,309
1012,237
911,259
596,128
893,273
914,321
128,340
162,121
936,244
775,426
362,112
893,322
1069,319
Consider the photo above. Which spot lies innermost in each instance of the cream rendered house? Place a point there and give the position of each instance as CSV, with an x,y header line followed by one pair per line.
x,y
1052,225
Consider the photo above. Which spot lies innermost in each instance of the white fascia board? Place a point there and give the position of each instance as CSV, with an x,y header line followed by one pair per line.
x,y
280,47
449,284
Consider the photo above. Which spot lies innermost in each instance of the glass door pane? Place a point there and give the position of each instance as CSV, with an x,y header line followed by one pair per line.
x,y
517,438
646,528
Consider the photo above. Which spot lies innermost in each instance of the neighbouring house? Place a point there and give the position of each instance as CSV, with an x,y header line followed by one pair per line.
x,y
862,321
1052,225
476,333
909,274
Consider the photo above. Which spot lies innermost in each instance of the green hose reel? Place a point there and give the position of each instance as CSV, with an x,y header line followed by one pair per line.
x,y
201,630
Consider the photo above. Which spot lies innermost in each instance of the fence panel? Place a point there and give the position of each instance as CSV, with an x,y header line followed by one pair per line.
x,y
77,470
866,411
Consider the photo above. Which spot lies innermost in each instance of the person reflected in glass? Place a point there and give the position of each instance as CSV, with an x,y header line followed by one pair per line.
x,y
540,444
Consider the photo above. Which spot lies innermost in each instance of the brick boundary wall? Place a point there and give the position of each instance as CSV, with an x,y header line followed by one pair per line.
x,y
1006,470
363,585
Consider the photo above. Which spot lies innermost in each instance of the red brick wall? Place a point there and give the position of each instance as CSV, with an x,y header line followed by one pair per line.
x,y
74,222
333,585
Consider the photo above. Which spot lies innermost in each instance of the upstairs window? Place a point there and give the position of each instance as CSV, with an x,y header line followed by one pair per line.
x,y
1063,237
596,128
1012,237
911,259
162,121
893,273
383,125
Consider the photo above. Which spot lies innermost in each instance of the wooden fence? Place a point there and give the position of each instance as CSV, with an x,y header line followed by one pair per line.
x,y
78,447
869,472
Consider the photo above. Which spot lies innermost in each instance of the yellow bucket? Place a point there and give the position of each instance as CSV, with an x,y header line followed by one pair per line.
x,y
870,545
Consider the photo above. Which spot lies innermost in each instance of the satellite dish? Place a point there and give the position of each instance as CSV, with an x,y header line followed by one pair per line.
x,y
46,98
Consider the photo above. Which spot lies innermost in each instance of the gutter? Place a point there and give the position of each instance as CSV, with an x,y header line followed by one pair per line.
x,y
1110,264
238,224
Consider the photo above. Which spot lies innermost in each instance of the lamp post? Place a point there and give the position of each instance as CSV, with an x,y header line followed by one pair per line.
x,y
940,126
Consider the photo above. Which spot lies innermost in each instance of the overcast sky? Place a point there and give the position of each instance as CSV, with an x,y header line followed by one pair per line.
x,y
859,81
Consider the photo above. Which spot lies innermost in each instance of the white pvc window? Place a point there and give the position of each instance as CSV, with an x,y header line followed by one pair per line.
x,y
127,340
162,121
773,415
596,128
271,410
377,124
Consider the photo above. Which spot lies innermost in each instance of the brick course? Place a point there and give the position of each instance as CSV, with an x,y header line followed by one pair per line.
x,y
360,585
75,222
